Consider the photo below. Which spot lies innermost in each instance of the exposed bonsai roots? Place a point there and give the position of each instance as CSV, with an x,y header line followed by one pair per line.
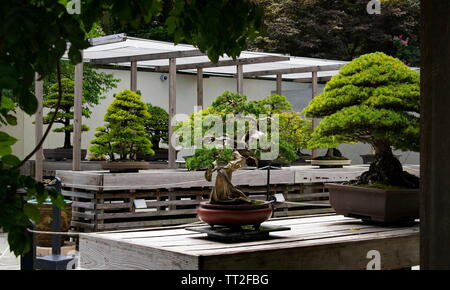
x,y
387,169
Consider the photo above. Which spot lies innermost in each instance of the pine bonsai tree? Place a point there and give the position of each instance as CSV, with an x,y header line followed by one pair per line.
x,y
157,126
374,99
124,134
65,113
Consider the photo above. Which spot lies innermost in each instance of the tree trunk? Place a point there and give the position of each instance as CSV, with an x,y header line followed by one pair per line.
x,y
67,136
387,169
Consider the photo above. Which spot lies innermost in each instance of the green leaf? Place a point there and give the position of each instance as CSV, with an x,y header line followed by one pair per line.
x,y
31,211
11,160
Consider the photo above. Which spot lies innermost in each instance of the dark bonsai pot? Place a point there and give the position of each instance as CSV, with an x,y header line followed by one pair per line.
x,y
59,154
369,158
234,215
374,204
125,166
331,163
160,154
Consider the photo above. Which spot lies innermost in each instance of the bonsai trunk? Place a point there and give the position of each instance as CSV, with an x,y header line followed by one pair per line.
x,y
67,135
387,169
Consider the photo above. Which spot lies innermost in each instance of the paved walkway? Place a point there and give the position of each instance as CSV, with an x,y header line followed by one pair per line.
x,y
7,259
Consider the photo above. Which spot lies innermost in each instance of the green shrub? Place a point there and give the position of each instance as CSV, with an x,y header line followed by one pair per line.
x,y
124,133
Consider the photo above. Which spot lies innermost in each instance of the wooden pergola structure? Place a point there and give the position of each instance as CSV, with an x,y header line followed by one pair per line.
x,y
168,58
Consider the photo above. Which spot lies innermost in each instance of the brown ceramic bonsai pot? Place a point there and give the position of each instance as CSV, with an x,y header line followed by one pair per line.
x,y
374,204
125,166
234,215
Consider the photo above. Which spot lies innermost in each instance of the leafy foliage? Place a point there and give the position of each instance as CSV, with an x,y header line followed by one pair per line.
x,y
205,157
336,29
374,99
124,134
295,130
16,214
371,100
157,125
34,37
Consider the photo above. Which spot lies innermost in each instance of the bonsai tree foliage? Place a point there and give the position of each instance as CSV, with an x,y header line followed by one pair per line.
x,y
65,112
296,130
374,99
238,106
124,133
157,126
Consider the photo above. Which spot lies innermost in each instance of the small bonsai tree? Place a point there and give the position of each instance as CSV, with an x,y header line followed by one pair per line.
x,y
124,134
374,99
157,126
65,113
295,131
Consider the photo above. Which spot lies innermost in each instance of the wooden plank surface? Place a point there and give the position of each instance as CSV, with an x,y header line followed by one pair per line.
x,y
314,242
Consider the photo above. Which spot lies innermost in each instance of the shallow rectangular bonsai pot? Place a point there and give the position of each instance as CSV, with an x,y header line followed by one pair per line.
x,y
373,204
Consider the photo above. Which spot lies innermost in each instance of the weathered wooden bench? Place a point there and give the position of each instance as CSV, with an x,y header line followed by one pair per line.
x,y
314,242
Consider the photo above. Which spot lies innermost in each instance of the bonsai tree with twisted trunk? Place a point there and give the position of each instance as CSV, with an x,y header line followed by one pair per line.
x,y
124,134
374,99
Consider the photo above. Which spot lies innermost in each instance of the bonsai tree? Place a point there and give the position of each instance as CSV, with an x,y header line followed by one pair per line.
x,y
124,133
157,126
65,113
235,104
296,130
374,99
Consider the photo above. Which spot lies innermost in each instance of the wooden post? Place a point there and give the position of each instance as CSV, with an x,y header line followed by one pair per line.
x,y
172,108
133,76
435,135
314,86
38,128
279,84
78,105
240,79
200,87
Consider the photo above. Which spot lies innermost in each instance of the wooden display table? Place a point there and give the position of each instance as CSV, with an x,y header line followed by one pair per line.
x,y
315,242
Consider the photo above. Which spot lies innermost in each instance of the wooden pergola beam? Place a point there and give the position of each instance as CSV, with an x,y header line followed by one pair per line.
x,y
200,87
77,115
293,70
172,109
133,76
39,157
150,56
240,79
228,62
308,80
314,88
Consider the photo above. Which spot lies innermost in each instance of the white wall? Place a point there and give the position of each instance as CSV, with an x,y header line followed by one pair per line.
x,y
156,92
